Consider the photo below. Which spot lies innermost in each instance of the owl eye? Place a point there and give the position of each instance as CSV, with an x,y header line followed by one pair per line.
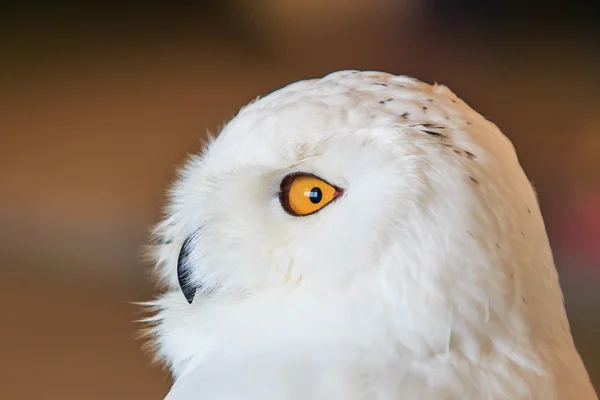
x,y
305,194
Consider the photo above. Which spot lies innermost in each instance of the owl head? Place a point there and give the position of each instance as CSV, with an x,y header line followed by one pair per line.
x,y
369,194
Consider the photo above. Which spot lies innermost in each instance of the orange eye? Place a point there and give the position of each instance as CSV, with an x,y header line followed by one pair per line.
x,y
304,194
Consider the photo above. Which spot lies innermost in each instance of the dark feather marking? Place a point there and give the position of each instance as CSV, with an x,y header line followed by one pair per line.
x,y
380,84
528,210
430,125
471,155
385,101
432,133
405,115
474,180
457,151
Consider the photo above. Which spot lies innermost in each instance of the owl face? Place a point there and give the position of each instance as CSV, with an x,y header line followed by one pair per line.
x,y
392,194
261,209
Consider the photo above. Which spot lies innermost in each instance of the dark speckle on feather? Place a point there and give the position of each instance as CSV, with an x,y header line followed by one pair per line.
x,y
457,151
474,180
424,108
405,115
380,84
469,122
430,125
470,155
385,101
528,210
432,133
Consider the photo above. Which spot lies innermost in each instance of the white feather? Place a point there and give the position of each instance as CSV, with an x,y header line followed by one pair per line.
x,y
431,278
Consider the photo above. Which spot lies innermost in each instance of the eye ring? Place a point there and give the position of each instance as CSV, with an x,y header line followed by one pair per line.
x,y
313,194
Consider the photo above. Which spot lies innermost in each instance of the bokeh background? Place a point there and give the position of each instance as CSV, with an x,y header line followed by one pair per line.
x,y
100,103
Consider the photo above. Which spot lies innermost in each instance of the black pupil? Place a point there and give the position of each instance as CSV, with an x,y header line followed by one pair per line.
x,y
315,195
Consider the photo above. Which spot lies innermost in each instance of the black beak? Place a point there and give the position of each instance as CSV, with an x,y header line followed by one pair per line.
x,y
183,271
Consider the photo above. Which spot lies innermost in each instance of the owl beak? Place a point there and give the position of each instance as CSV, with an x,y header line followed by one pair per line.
x,y
183,270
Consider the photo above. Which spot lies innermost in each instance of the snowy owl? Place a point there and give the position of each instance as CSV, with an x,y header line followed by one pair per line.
x,y
360,236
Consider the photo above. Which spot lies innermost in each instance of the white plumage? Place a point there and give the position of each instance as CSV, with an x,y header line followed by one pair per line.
x,y
429,277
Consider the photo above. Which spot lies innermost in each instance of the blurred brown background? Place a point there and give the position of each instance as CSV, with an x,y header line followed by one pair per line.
x,y
100,103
